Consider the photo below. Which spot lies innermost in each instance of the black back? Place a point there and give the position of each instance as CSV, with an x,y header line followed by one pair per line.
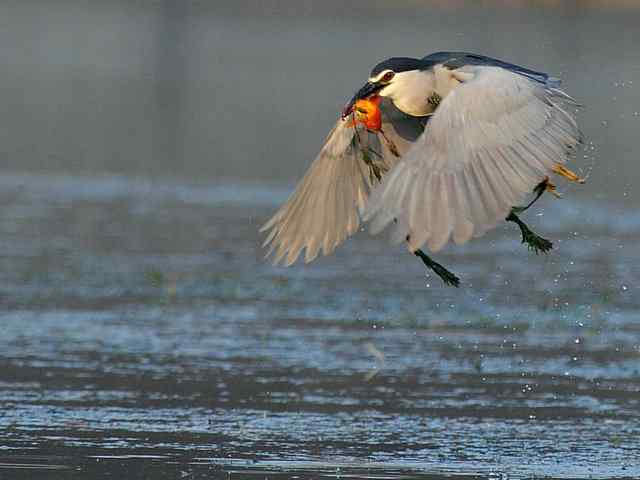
x,y
459,59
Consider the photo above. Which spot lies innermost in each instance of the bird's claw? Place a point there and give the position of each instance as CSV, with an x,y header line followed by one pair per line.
x,y
551,188
566,173
447,277
536,243
546,185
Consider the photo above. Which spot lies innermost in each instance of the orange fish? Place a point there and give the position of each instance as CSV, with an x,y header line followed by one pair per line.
x,y
366,112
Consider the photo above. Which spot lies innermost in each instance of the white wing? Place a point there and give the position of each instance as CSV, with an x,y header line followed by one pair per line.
x,y
325,207
491,140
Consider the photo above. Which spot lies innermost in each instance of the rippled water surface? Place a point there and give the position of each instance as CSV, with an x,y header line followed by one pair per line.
x,y
143,332
142,335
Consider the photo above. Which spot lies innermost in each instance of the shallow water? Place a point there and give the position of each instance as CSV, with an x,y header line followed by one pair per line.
x,y
143,332
143,143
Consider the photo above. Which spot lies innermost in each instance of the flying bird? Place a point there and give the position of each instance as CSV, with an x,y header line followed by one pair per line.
x,y
441,149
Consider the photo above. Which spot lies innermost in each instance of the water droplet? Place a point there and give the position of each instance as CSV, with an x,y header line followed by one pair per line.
x,y
624,288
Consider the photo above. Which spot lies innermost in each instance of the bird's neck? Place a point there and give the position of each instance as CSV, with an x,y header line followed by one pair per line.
x,y
418,92
410,91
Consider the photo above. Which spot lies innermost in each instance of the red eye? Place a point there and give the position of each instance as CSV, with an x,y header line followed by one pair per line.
x,y
387,77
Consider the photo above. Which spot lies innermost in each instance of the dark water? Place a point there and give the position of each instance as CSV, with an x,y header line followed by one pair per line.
x,y
142,335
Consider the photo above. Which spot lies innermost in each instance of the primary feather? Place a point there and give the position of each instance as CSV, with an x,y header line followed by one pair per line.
x,y
325,207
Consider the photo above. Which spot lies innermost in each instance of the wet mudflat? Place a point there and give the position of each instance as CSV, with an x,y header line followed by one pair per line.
x,y
143,336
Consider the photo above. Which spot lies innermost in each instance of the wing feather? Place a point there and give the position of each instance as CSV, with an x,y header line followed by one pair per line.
x,y
325,207
489,143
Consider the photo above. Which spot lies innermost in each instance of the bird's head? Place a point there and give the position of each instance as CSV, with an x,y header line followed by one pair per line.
x,y
385,80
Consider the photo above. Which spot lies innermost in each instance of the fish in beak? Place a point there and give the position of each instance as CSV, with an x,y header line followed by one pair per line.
x,y
367,112
365,92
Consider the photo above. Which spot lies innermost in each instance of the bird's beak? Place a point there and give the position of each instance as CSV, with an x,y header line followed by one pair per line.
x,y
366,91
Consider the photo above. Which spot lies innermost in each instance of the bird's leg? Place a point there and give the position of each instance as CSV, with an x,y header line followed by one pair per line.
x,y
533,241
544,186
447,277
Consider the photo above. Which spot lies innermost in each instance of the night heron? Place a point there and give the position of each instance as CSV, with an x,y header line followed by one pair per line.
x,y
444,147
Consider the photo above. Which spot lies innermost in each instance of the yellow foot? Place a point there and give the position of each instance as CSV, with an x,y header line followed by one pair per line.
x,y
544,186
551,188
566,173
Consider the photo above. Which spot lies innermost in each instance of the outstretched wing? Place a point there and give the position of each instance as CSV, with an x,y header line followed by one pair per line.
x,y
325,207
492,139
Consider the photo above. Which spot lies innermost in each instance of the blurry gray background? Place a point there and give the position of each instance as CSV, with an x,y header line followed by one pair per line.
x,y
240,89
